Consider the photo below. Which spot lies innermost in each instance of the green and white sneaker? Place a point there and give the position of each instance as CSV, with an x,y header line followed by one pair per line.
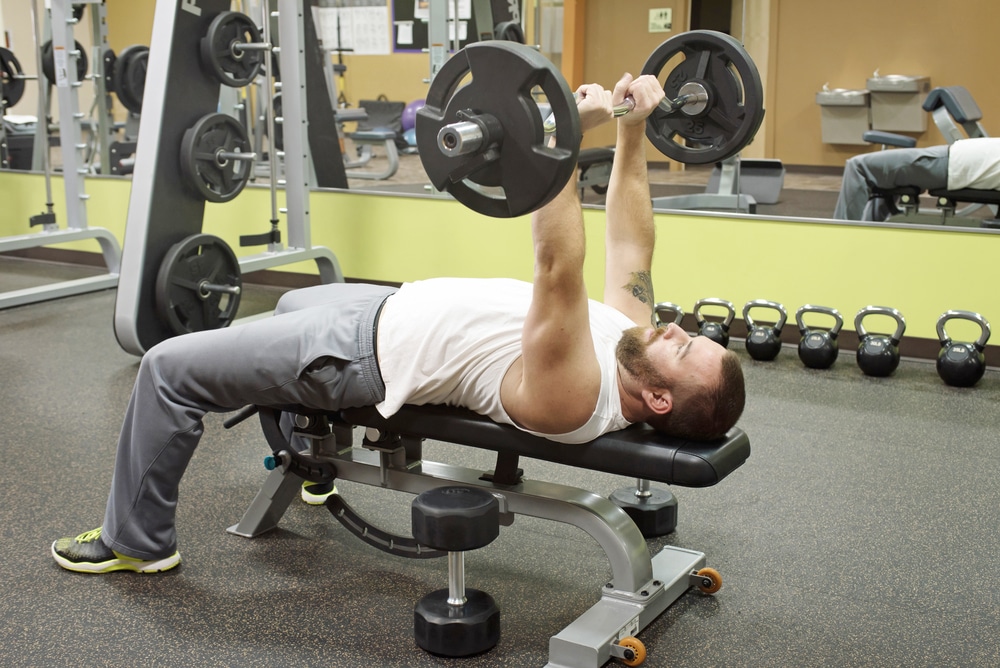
x,y
316,493
86,553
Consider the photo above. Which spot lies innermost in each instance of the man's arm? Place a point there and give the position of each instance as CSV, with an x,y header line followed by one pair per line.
x,y
631,232
554,385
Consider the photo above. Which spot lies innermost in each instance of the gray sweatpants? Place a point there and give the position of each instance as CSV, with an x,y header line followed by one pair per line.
x,y
921,167
318,351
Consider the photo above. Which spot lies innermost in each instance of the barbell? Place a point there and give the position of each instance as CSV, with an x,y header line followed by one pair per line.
x,y
484,140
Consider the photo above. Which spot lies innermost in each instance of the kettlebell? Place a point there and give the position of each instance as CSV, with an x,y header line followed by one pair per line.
x,y
878,354
716,331
764,341
818,347
962,364
667,312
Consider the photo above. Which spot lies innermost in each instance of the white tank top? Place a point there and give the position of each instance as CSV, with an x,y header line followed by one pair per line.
x,y
450,341
974,163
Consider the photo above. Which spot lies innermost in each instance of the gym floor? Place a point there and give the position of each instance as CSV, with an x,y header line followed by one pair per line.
x,y
862,531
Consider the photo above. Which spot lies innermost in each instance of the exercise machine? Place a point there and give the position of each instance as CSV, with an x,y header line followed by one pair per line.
x,y
641,586
176,279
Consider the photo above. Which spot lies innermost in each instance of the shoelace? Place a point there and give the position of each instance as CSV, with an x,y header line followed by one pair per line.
x,y
89,536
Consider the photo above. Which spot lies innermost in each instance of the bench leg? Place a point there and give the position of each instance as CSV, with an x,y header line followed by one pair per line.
x,y
266,509
391,154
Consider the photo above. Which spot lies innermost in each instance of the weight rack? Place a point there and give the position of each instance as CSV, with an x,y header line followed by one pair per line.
x,y
162,209
70,138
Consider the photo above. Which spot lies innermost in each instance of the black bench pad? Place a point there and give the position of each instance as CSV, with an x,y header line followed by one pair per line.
x,y
637,452
970,195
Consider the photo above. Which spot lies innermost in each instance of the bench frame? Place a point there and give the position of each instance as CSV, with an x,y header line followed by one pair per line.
x,y
641,588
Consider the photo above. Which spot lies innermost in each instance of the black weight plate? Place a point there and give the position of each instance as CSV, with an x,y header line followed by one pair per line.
x,y
214,179
279,135
130,76
230,65
735,108
49,62
525,174
181,301
10,72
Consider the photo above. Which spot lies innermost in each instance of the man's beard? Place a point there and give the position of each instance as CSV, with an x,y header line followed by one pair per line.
x,y
631,354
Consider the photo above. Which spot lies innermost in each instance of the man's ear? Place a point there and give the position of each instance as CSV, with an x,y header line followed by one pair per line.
x,y
659,401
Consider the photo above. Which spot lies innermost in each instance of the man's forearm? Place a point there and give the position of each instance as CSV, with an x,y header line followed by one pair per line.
x,y
629,209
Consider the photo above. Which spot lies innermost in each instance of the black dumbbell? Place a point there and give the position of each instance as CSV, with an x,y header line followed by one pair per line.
x,y
878,354
818,347
456,621
962,364
667,312
716,331
764,341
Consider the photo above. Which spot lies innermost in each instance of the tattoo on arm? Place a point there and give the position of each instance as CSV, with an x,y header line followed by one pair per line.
x,y
641,287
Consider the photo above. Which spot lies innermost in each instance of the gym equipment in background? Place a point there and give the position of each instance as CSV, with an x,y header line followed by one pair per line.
x,y
962,364
818,348
878,354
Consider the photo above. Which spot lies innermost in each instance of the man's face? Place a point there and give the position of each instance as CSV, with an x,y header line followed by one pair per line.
x,y
667,357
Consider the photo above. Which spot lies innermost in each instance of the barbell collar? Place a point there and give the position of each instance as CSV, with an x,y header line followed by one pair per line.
x,y
692,99
472,135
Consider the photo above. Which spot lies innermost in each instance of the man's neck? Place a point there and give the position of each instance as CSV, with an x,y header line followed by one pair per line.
x,y
629,396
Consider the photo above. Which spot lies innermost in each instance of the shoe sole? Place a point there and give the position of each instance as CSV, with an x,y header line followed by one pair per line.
x,y
113,565
317,499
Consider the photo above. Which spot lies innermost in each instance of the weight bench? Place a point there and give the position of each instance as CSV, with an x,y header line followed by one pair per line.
x,y
595,169
378,122
390,456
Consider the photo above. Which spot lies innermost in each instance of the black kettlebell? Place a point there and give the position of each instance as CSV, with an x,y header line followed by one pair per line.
x,y
878,354
962,364
818,347
716,331
667,312
764,341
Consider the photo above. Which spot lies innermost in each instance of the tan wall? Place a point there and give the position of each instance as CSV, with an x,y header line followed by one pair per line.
x,y
842,43
617,40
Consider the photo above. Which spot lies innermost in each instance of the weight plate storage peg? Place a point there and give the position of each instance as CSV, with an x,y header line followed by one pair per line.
x,y
232,50
764,341
216,160
716,331
717,66
504,167
198,285
12,77
818,347
962,364
878,354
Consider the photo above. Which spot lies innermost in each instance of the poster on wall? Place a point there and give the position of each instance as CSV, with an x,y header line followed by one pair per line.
x,y
359,27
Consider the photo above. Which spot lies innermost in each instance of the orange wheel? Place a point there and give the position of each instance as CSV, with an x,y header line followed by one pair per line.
x,y
638,650
713,575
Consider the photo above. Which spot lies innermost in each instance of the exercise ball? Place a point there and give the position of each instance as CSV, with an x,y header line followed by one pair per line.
x,y
410,114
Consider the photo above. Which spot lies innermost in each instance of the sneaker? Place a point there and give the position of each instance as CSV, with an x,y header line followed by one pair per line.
x,y
316,493
86,553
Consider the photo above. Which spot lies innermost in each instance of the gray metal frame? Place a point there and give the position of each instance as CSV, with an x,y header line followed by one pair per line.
x,y
728,197
74,171
641,587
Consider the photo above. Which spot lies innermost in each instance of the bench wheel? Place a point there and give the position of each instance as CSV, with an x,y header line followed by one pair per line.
x,y
711,580
635,649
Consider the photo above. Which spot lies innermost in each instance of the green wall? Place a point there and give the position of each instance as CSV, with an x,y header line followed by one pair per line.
x,y
922,272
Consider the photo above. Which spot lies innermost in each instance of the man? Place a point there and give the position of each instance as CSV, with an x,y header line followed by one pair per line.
x,y
540,356
967,163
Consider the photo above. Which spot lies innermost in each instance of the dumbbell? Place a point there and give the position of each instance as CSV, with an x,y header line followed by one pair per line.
x,y
716,331
764,341
962,364
818,348
456,621
878,354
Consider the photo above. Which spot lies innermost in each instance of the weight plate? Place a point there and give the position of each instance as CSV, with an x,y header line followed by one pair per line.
x,y
279,135
129,77
49,62
190,268
735,107
10,75
109,58
211,175
522,173
221,56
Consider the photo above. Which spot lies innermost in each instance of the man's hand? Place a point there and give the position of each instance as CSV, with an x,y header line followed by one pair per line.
x,y
594,104
645,91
